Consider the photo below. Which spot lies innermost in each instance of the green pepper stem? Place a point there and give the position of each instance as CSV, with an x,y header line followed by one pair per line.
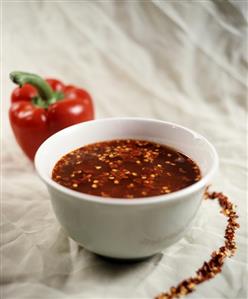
x,y
43,88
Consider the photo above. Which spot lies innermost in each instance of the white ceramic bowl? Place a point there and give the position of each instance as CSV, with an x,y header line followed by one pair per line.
x,y
121,228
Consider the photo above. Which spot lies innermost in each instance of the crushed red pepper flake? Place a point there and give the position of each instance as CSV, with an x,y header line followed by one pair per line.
x,y
125,169
214,266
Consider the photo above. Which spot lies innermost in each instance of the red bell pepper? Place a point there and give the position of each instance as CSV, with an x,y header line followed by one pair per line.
x,y
40,108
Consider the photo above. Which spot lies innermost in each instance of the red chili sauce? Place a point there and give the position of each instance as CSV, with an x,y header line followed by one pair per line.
x,y
126,169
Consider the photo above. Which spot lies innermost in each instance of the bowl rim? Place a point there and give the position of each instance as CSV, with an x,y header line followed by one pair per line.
x,y
177,195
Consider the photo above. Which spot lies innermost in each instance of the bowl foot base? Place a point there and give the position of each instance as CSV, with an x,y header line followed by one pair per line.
x,y
124,260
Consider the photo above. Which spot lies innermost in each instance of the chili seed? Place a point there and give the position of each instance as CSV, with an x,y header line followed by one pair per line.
x,y
104,194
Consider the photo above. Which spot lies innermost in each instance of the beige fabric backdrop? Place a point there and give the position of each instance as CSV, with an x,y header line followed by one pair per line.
x,y
181,61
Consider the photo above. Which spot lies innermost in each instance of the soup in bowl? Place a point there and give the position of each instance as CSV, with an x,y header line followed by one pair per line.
x,y
126,188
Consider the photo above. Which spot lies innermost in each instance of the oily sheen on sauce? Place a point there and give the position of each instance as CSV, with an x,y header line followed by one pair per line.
x,y
126,168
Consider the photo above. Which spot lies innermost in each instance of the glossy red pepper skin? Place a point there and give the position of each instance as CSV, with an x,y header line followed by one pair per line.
x,y
77,103
26,93
32,124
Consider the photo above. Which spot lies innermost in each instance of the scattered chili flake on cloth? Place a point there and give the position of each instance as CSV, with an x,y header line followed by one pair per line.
x,y
214,266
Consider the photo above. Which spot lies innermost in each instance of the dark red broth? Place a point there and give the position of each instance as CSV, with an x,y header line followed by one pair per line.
x,y
126,169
